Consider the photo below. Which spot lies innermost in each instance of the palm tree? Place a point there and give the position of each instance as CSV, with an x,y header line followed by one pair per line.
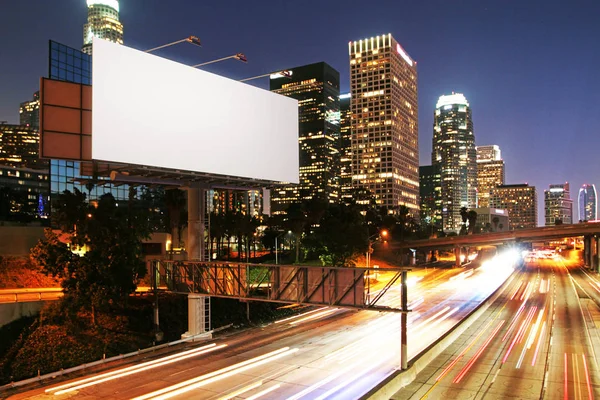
x,y
495,220
465,217
472,218
176,202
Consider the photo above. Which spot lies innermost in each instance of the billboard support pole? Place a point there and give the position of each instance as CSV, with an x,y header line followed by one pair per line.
x,y
198,304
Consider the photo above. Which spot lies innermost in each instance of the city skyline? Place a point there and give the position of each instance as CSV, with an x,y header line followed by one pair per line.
x,y
507,72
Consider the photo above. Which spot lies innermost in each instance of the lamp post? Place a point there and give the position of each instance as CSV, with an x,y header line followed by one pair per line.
x,y
190,39
238,56
286,73
276,237
382,234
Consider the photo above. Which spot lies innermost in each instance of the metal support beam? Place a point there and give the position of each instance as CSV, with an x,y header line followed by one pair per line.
x,y
196,203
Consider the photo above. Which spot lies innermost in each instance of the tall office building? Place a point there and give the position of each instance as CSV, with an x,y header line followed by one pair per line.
x,y
454,151
588,206
317,89
430,187
29,112
490,152
345,147
521,203
385,128
490,172
558,206
102,22
19,147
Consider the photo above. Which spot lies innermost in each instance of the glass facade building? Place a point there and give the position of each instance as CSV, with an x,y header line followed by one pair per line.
x,y
385,122
588,206
29,112
558,206
490,172
19,147
71,65
345,147
317,89
521,203
454,151
430,187
102,22
23,194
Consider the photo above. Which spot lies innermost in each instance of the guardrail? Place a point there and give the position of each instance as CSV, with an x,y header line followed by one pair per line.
x,y
81,367
47,294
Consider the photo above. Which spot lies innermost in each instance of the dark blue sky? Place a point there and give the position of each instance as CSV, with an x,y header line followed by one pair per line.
x,y
528,67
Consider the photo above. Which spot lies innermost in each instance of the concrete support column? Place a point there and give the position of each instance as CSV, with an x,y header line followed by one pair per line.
x,y
196,204
457,256
587,251
198,317
596,265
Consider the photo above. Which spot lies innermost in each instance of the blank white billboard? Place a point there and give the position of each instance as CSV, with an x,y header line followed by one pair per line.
x,y
151,111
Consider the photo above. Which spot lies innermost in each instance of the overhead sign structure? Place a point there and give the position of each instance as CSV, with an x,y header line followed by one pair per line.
x,y
151,111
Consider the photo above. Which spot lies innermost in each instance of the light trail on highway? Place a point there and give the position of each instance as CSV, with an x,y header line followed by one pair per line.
x,y
330,352
531,344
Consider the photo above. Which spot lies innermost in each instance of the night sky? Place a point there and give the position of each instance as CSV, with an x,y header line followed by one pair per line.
x,y
527,67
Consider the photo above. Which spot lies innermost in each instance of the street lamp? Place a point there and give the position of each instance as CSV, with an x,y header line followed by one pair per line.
x,y
285,73
190,39
276,237
381,234
238,56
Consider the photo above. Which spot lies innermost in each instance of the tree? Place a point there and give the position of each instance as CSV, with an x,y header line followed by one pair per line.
x,y
495,221
341,236
296,221
472,218
176,204
403,217
110,236
465,217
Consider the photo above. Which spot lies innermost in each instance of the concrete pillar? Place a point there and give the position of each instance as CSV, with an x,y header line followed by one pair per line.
x,y
587,251
198,317
597,255
457,256
196,205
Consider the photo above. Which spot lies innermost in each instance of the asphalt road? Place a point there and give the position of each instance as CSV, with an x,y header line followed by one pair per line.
x,y
532,343
327,353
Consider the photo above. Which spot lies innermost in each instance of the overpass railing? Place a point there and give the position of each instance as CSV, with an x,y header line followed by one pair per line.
x,y
349,287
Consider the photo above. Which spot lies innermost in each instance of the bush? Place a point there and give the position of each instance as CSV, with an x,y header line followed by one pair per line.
x,y
23,273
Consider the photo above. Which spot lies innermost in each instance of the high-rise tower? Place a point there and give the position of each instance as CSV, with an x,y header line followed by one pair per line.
x,y
385,140
588,206
454,151
490,173
102,22
317,89
558,206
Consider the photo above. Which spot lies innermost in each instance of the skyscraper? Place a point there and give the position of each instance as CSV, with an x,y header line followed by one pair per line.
x,y
430,187
345,147
521,202
588,206
454,151
490,172
558,205
317,89
19,147
29,112
102,22
385,140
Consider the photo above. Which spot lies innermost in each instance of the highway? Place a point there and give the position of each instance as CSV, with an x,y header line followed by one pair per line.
x,y
324,353
532,343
